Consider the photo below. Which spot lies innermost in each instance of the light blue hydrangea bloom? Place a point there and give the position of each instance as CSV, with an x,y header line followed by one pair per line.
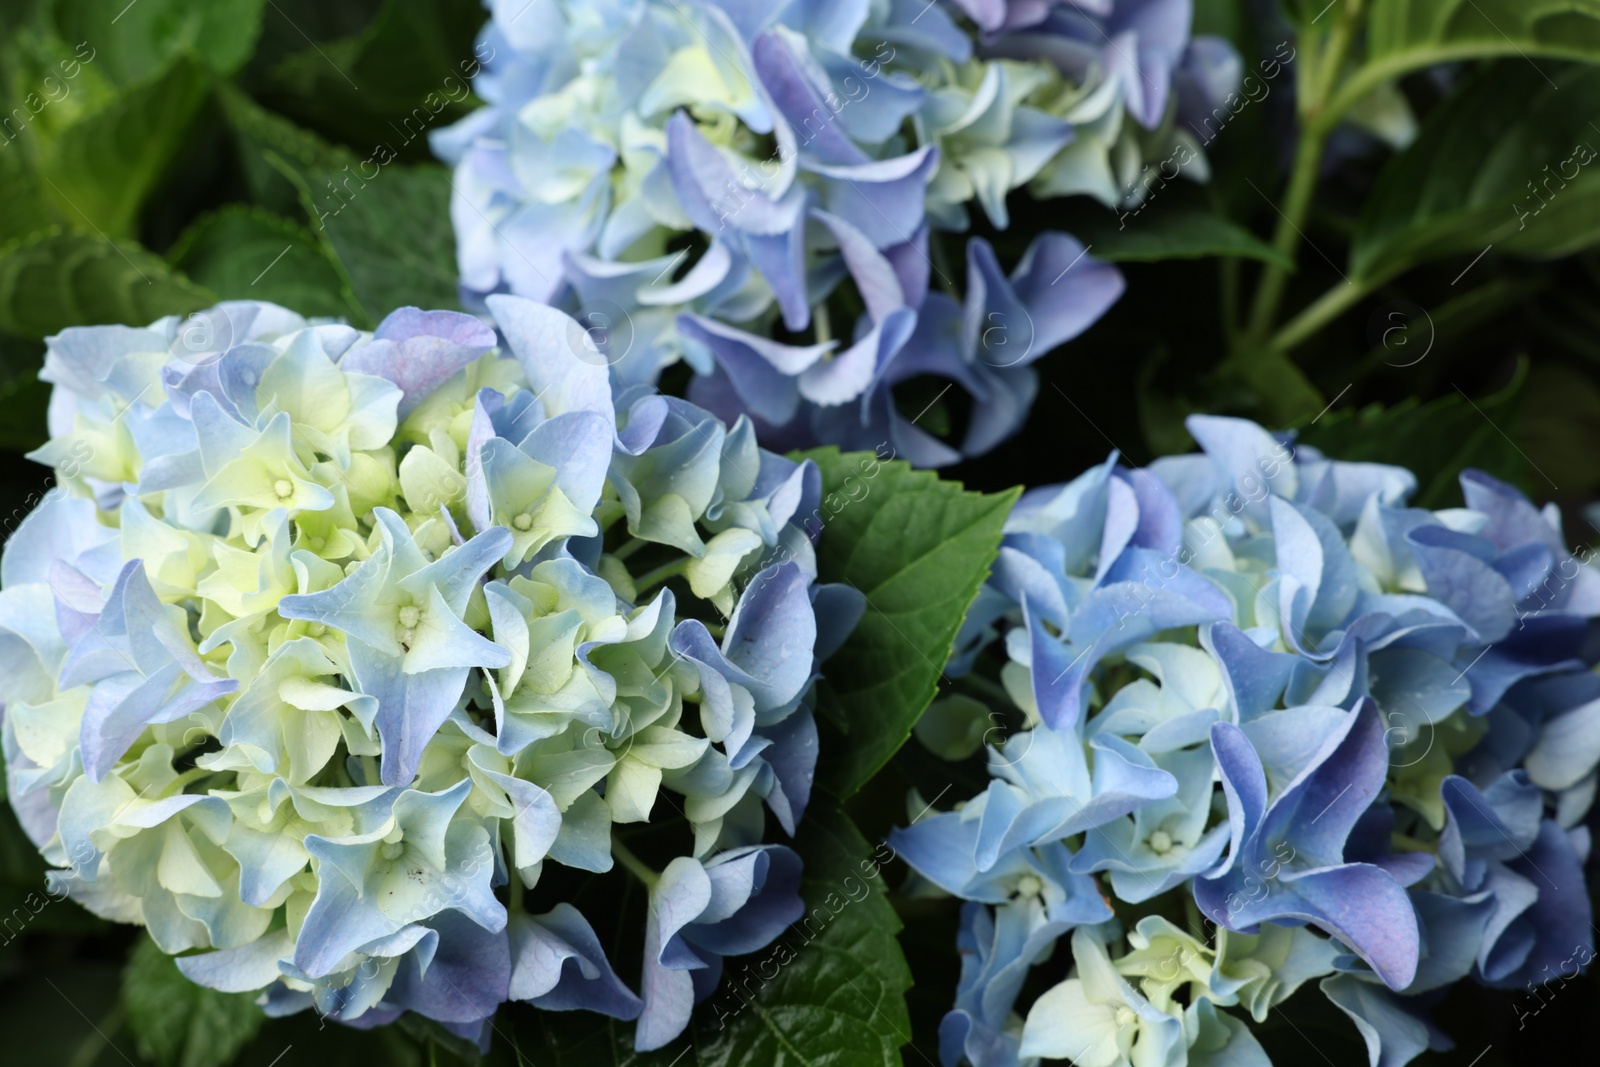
x,y
329,644
753,189
1331,736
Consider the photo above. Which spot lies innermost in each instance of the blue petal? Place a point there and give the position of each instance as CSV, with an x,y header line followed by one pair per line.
x,y
772,634
681,894
1393,1035
559,965
564,368
467,979
420,350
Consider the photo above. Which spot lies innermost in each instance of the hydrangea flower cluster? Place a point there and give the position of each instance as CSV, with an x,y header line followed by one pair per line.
x,y
1272,725
750,188
329,643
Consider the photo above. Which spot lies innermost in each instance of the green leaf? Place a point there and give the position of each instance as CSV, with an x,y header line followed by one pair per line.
x,y
26,211
259,132
919,549
244,253
1436,441
389,233
100,170
137,42
1563,441
51,84
58,280
291,25
1500,163
1174,234
1266,385
265,130
1403,36
177,1023
829,991
408,73
1223,18
1407,35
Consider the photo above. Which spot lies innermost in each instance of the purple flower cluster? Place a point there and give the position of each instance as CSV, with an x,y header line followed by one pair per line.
x,y
754,189
1333,736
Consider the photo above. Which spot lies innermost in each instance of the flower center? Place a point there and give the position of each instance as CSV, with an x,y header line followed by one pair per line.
x,y
392,850
1125,1016
1160,842
1029,886
410,615
523,522
284,488
316,629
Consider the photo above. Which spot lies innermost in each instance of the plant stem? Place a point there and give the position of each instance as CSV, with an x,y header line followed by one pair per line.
x,y
181,782
1230,300
516,892
941,264
989,688
1330,66
1329,306
1318,77
1297,202
822,324
89,1051
629,547
634,864
660,574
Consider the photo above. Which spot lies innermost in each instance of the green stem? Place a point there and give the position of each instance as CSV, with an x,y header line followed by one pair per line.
x,y
660,574
1331,66
178,784
1191,916
989,688
1228,278
629,547
822,324
941,264
634,865
1372,75
1412,844
1329,306
1230,300
1296,204
91,1047
1316,83
516,893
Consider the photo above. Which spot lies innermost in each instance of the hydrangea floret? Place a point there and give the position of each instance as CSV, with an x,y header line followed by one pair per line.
x,y
753,189
1251,720
329,645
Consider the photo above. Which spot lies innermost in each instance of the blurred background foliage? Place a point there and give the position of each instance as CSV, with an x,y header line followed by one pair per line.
x,y
1441,310
159,156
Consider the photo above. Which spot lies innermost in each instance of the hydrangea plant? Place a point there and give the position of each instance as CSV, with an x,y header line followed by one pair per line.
x,y
329,644
753,189
1250,722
